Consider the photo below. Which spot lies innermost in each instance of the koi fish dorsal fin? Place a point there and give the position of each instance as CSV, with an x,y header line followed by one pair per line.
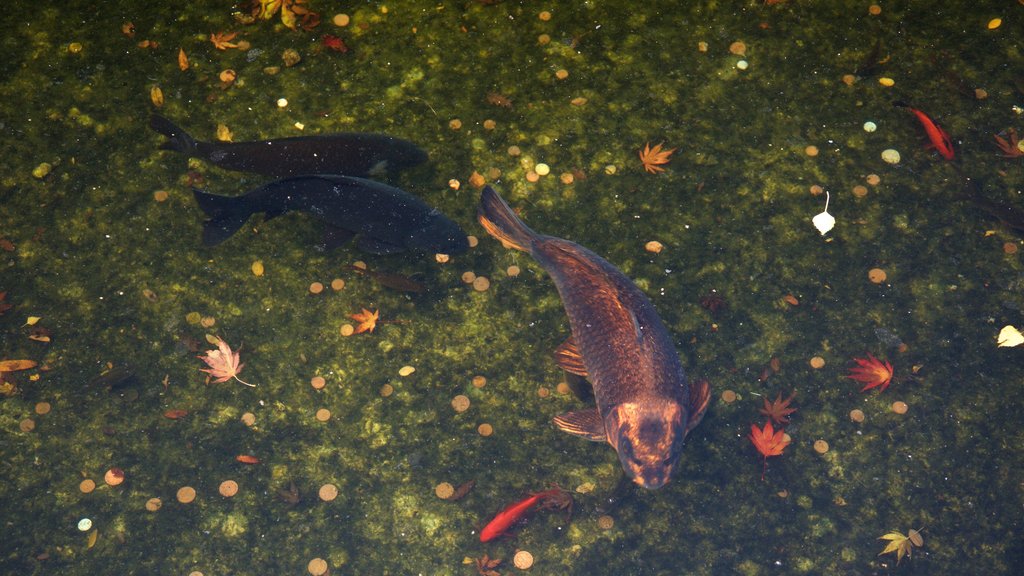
x,y
568,358
583,423
700,396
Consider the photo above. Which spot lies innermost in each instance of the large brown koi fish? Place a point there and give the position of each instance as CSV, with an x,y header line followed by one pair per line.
x,y
645,407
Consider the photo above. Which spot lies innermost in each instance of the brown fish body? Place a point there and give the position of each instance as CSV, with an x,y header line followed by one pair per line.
x,y
645,406
348,153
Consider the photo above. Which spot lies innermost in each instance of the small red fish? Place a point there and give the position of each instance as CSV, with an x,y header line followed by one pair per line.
x,y
513,513
175,413
940,140
247,459
334,43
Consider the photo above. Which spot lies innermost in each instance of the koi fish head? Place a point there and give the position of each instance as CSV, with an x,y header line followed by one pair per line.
x,y
648,438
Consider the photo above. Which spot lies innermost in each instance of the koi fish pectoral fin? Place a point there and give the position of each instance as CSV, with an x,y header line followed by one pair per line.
x,y
700,396
568,358
583,423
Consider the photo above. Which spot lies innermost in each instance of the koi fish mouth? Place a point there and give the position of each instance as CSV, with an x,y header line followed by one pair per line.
x,y
649,440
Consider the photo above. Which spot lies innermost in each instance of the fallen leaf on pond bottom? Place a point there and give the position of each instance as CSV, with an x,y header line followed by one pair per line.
x,y
367,320
871,372
768,442
14,365
653,158
1008,337
247,459
901,544
779,410
223,364
222,40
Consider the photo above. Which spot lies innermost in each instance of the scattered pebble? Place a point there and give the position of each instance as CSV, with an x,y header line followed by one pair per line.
x,y
160,195
481,284
472,241
468,276
85,524
742,65
543,39
485,429
544,16
323,415
654,247
42,171
290,57
337,284
891,156
563,388
514,151
114,477
406,370
316,288
872,179
887,82
817,362
816,190
820,446
186,494
542,169
877,275
874,9
860,191
1010,248
193,317
257,268
512,271
27,425
87,485
228,76
282,102
207,321
75,47
543,392
811,151
605,522
900,407
870,126
490,124
849,79
317,567
248,418
455,124
738,48
995,23
532,176
479,381
561,74
341,20
328,492
318,382
523,560
444,490
347,329
43,408
857,415
442,258
228,488
154,504
728,396
387,390
460,403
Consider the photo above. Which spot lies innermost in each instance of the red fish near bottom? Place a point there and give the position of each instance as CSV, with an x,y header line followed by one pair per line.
x,y
938,137
513,513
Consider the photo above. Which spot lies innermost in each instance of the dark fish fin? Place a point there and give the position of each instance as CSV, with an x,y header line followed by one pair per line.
x,y
226,215
700,395
335,237
583,423
378,247
567,356
501,222
180,141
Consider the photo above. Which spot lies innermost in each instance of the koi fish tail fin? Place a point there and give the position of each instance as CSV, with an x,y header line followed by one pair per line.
x,y
501,222
180,141
226,215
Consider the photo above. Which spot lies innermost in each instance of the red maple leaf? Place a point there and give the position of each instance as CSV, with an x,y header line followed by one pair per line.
x,y
871,372
223,364
778,410
768,442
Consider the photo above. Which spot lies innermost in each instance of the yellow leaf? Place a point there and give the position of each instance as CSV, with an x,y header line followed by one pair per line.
x,y
32,320
257,268
93,536
1009,337
12,365
182,59
156,95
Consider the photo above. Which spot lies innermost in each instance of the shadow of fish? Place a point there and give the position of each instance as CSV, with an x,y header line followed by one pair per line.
x,y
348,153
387,220
645,407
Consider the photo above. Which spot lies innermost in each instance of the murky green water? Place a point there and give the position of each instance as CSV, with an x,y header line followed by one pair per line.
x,y
87,240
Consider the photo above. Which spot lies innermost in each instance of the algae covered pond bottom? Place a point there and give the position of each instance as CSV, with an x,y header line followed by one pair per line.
x,y
863,417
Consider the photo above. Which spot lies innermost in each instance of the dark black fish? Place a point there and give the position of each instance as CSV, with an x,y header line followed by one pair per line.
x,y
387,219
348,153
645,407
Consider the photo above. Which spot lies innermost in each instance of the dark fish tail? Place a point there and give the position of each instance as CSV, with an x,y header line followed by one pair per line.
x,y
180,141
226,215
501,222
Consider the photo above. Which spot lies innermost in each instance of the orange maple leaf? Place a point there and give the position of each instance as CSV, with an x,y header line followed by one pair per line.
x,y
652,157
768,442
222,40
871,372
367,320
778,410
223,364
